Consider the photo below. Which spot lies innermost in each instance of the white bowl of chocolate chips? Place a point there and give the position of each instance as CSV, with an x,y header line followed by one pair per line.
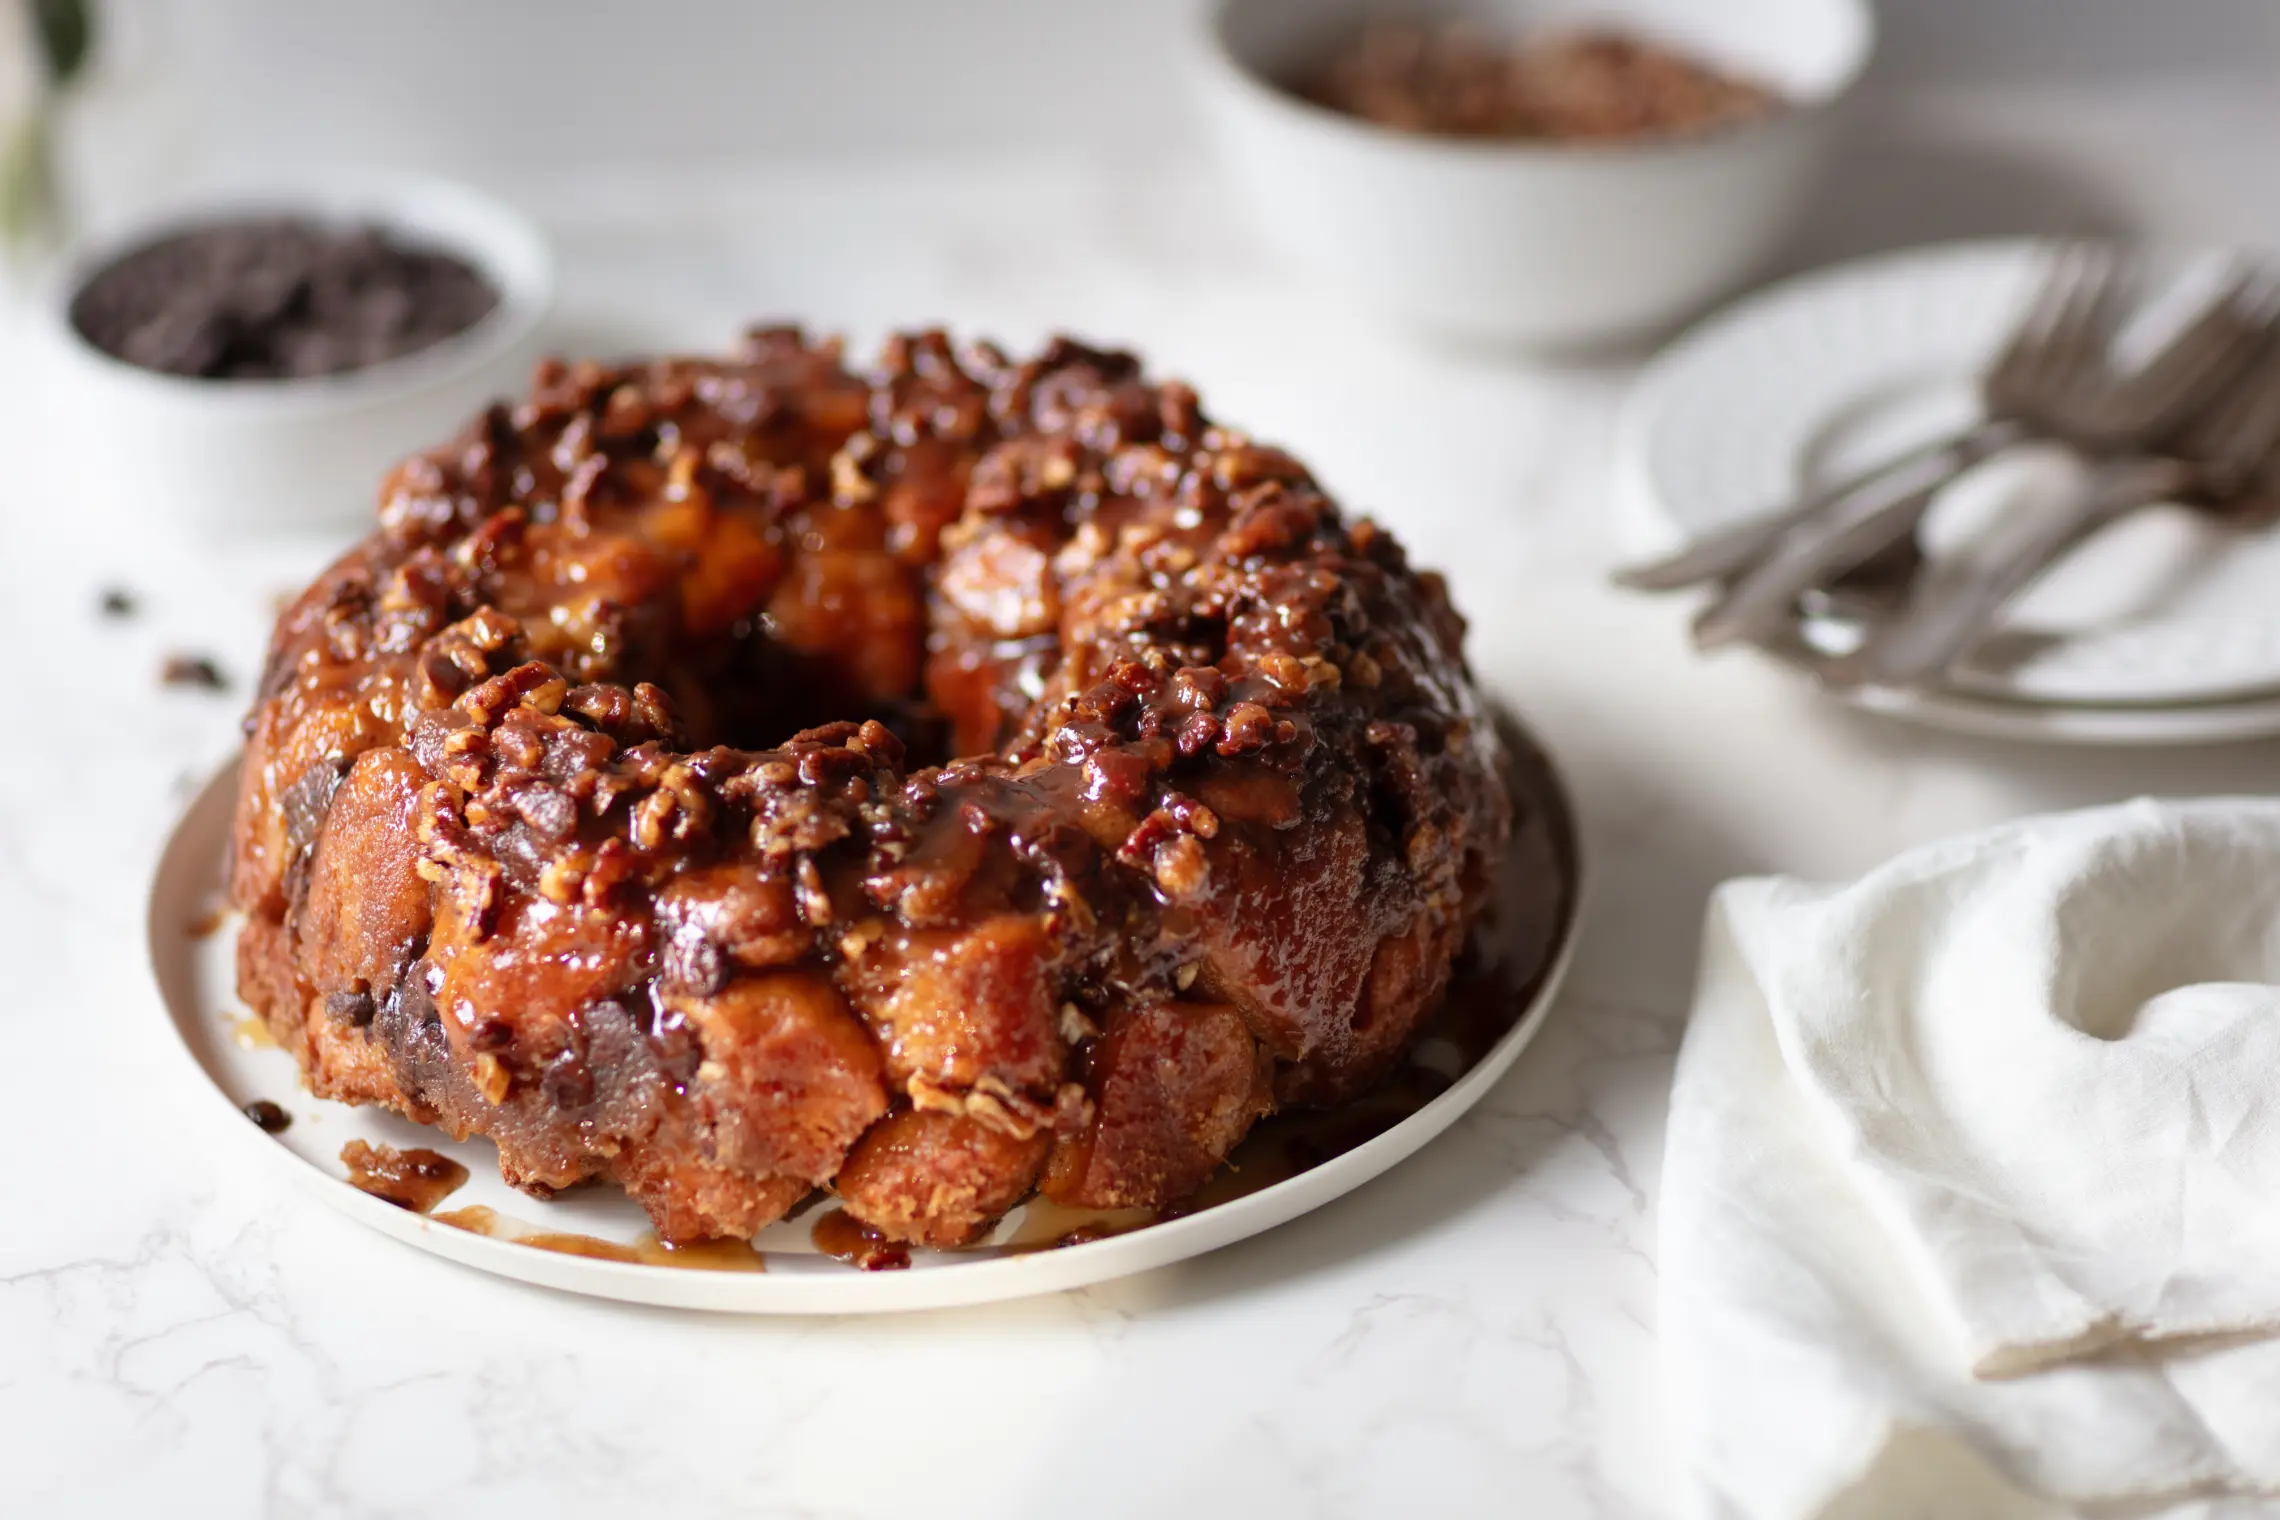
x,y
254,361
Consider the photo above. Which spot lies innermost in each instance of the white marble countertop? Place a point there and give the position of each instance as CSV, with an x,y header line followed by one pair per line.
x,y
1473,1333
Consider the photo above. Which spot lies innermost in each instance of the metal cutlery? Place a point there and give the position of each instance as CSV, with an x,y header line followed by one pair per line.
x,y
2066,392
2045,346
2050,379
2213,461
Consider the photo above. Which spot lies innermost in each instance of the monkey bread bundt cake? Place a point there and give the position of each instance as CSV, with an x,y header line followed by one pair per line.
x,y
728,778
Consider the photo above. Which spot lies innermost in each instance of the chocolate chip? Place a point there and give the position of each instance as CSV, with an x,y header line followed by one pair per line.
x,y
277,298
354,1008
568,1083
272,1119
307,801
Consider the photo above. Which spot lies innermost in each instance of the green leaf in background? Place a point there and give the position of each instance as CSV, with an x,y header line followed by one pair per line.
x,y
27,187
67,35
63,31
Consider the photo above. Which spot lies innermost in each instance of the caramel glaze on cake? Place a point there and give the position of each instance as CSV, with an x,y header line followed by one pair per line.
x,y
602,802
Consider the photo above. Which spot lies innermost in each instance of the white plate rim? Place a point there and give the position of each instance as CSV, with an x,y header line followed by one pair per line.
x,y
187,860
2118,727
2246,712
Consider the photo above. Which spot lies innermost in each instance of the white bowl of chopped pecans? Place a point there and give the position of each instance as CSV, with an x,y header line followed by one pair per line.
x,y
254,359
1554,173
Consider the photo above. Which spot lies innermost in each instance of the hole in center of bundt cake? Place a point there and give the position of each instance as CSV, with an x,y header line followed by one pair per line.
x,y
769,691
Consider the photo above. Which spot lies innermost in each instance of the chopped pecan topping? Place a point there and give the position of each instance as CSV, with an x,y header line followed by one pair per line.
x,y
767,765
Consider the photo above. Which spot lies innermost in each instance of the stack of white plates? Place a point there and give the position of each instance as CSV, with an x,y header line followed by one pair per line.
x,y
2164,630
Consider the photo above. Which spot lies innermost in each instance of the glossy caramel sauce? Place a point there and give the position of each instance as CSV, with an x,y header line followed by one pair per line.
x,y
1481,1009
648,1251
417,1179
1487,996
839,1233
1131,623
1490,990
704,1255
1047,1226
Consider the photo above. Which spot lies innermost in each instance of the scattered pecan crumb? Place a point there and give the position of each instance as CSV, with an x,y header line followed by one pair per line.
x,y
492,1079
118,602
192,670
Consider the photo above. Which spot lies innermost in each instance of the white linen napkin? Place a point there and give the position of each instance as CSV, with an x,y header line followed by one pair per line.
x,y
1971,1201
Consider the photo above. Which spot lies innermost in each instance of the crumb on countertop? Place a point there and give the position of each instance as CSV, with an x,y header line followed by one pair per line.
x,y
193,670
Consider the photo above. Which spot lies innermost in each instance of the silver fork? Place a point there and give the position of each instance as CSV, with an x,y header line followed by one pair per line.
x,y
2063,304
2212,462
2068,394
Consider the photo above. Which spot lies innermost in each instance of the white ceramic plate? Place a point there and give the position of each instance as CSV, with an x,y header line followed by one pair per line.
x,y
1798,385
2044,723
192,953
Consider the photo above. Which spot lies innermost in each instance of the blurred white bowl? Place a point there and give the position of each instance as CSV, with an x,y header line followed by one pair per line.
x,y
1544,244
207,458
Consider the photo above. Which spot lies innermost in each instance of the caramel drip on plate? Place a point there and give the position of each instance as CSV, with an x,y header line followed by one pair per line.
x,y
647,1251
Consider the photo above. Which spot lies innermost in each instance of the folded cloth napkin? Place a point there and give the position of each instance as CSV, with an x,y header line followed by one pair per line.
x,y
1971,1203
